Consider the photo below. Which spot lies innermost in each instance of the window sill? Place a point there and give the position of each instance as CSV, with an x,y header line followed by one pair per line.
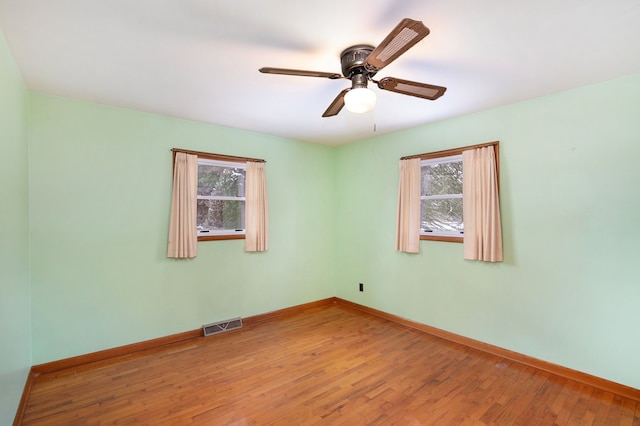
x,y
441,238
221,237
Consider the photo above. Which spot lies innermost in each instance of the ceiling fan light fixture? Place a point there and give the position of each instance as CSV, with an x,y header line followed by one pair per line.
x,y
360,100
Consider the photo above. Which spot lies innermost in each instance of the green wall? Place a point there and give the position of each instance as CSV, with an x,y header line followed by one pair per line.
x,y
100,181
85,217
568,291
15,311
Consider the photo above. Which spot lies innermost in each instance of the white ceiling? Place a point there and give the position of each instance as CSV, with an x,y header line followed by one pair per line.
x,y
199,59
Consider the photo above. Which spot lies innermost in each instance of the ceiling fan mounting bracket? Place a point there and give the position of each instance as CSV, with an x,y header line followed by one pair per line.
x,y
353,60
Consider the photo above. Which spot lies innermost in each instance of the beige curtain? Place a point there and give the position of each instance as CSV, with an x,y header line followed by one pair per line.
x,y
183,238
408,222
481,205
256,208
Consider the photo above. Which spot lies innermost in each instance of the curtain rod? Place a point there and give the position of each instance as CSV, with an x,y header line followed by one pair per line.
x,y
454,151
218,156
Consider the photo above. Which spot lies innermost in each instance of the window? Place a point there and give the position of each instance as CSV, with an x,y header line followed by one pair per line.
x,y
217,197
441,197
441,180
221,199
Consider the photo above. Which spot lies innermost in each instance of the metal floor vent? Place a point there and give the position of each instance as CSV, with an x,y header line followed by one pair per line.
x,y
222,326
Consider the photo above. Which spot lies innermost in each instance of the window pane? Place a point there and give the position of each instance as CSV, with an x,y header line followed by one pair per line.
x,y
220,181
442,179
441,215
220,214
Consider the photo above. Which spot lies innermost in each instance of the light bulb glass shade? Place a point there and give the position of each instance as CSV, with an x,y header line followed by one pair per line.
x,y
360,100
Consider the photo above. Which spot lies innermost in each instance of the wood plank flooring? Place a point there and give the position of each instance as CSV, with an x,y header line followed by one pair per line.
x,y
326,366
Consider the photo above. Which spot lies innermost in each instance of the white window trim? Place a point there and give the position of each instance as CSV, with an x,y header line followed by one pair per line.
x,y
441,160
221,232
232,164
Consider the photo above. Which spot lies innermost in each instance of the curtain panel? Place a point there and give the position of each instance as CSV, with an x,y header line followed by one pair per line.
x,y
183,239
408,219
481,205
256,208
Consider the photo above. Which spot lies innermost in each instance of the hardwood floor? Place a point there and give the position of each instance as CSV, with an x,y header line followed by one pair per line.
x,y
327,366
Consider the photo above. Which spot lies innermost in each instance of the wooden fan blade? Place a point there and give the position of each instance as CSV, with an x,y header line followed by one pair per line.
x,y
412,88
404,36
303,73
336,105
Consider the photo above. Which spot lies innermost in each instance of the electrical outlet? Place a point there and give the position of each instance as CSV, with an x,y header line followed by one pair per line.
x,y
361,287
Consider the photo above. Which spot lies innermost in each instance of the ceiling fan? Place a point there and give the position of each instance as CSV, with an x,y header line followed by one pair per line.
x,y
361,62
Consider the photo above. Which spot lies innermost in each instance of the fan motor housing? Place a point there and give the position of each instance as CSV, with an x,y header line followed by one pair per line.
x,y
353,59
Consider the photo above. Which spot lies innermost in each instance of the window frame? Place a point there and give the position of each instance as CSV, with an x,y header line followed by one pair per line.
x,y
440,160
225,234
449,153
223,159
